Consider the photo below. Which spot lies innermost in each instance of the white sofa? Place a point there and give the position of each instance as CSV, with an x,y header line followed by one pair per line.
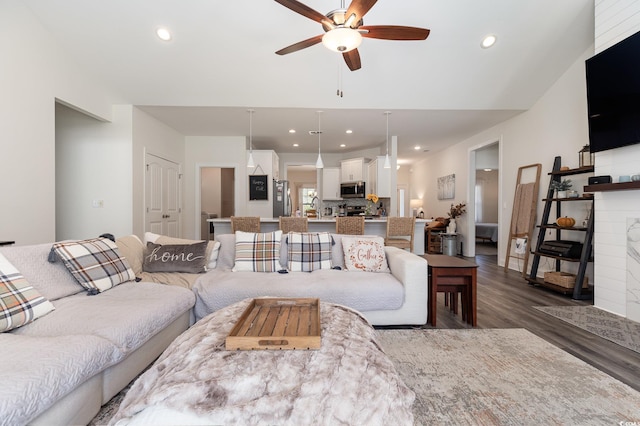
x,y
60,368
396,298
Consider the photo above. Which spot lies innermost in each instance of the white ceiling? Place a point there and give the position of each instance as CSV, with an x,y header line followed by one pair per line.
x,y
221,61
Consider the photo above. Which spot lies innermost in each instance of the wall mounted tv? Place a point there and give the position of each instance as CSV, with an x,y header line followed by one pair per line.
x,y
613,95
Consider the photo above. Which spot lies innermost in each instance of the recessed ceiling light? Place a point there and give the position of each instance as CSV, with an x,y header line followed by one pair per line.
x,y
163,34
342,145
296,145
292,130
417,147
488,41
349,131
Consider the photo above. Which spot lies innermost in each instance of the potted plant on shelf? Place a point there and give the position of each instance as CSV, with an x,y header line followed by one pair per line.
x,y
561,187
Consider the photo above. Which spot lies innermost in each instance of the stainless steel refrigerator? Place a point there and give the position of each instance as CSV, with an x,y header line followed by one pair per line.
x,y
281,198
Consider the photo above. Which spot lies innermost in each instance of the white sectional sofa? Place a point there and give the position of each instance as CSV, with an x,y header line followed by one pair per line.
x,y
60,368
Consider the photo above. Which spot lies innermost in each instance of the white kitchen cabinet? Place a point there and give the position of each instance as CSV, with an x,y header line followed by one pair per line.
x,y
331,183
379,178
352,170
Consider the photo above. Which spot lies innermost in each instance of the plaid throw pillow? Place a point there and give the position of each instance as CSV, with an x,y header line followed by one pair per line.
x,y
96,263
20,303
309,251
364,254
257,252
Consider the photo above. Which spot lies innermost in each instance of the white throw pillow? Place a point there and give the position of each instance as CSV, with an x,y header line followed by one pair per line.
x,y
364,254
309,251
96,263
20,302
257,252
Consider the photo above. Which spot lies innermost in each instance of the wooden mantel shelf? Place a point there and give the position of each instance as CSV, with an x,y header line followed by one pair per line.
x,y
604,187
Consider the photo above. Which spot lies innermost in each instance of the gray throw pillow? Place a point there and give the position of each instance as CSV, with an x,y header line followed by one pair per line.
x,y
190,258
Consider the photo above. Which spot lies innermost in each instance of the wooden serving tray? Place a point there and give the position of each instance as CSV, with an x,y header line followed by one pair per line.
x,y
277,323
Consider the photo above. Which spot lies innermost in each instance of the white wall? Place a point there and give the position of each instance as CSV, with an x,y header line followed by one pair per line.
x,y
212,151
210,180
152,137
490,187
34,73
615,20
555,125
93,164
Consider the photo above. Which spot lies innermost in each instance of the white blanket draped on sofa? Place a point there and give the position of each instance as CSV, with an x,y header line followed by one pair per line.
x,y
196,381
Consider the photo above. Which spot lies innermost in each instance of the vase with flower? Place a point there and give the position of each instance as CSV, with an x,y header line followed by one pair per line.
x,y
372,203
455,212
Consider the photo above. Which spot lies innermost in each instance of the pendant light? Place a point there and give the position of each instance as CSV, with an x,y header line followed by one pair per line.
x,y
319,163
387,163
250,163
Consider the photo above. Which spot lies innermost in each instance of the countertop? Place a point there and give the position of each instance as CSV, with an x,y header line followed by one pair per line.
x,y
321,220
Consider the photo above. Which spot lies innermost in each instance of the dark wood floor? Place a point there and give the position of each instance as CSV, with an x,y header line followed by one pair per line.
x,y
506,300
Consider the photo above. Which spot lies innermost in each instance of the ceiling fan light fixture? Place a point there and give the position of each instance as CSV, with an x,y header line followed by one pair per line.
x,y
342,39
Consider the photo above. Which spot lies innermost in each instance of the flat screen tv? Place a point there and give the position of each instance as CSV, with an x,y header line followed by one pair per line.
x,y
613,95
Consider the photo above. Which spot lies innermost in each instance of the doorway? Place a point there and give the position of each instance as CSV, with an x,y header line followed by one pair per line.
x,y
303,181
217,197
162,196
486,193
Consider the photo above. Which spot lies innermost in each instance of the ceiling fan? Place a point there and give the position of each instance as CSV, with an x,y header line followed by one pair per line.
x,y
344,30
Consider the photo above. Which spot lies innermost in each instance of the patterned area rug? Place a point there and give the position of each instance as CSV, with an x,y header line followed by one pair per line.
x,y
494,377
503,377
604,324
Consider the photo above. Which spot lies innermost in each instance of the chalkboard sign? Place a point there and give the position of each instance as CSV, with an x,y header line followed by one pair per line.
x,y
258,187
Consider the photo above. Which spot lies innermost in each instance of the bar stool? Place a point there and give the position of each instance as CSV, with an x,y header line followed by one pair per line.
x,y
350,225
293,224
245,224
400,232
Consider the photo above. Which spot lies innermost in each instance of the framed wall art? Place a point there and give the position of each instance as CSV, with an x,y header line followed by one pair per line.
x,y
447,187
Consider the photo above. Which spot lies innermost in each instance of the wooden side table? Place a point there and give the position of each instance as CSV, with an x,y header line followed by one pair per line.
x,y
450,274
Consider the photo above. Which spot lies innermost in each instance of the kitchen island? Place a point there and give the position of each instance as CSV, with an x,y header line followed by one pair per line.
x,y
375,226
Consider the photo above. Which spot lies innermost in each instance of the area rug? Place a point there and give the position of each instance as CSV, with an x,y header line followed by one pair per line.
x,y
604,324
503,377
494,377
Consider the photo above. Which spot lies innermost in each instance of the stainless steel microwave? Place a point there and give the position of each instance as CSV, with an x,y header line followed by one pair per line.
x,y
352,190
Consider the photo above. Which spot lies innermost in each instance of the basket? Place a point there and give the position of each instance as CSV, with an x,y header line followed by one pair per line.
x,y
563,279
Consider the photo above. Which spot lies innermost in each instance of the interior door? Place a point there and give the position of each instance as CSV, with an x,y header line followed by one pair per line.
x,y
162,196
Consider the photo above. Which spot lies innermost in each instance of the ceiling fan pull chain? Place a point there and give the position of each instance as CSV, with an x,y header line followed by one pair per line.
x,y
339,91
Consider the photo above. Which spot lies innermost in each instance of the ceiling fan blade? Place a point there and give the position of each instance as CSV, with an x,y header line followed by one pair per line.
x,y
352,58
305,10
358,8
394,32
300,45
